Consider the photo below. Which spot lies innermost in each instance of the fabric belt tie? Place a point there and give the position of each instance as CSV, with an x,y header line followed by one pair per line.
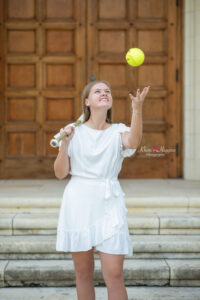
x,y
111,191
111,188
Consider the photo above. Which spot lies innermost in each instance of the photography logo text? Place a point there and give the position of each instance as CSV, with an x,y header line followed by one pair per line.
x,y
156,151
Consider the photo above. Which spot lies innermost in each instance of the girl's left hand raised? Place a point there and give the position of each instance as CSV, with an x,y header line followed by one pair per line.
x,y
139,98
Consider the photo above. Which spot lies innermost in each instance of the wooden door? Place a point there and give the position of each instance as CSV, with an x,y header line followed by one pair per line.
x,y
113,27
43,71
49,51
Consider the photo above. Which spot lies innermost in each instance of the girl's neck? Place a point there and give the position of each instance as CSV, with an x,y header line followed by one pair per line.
x,y
97,126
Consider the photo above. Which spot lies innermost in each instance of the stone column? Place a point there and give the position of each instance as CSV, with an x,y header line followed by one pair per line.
x,y
191,90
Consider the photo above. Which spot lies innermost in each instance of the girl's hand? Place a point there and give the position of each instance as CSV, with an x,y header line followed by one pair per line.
x,y
138,100
70,132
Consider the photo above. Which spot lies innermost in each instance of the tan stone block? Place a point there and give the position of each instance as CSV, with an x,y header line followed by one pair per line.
x,y
42,272
3,264
6,232
30,210
35,221
28,244
166,243
29,201
155,210
179,231
180,221
184,272
143,221
155,201
6,221
194,202
143,231
194,210
141,271
34,231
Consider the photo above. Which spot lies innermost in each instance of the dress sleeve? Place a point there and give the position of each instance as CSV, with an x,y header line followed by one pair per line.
x,y
125,152
60,143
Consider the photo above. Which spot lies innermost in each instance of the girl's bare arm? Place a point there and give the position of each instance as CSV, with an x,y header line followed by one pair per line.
x,y
134,137
62,162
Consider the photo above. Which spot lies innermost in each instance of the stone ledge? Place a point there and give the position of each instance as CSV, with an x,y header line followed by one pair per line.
x,y
157,272
139,223
131,201
154,246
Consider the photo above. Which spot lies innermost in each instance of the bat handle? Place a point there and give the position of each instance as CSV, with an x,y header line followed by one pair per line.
x,y
62,135
55,142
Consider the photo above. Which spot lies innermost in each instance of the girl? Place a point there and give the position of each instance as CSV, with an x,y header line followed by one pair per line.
x,y
93,211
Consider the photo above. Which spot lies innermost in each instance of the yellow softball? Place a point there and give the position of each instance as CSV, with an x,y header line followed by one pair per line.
x,y
135,57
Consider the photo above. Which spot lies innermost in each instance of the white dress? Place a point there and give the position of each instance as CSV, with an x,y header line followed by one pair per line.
x,y
93,209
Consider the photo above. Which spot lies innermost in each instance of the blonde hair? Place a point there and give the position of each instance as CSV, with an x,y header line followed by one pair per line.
x,y
85,94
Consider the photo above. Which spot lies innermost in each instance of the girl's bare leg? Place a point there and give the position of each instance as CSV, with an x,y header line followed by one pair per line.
x,y
112,270
84,269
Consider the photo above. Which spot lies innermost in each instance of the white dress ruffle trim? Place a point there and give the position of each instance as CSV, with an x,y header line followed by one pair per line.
x,y
95,234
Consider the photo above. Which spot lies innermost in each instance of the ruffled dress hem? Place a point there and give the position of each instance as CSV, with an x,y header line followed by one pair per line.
x,y
113,230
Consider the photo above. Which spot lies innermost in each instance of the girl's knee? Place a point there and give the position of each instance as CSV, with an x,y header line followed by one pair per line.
x,y
84,271
114,282
113,275
84,274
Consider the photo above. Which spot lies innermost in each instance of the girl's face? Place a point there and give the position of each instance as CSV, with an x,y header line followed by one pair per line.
x,y
99,96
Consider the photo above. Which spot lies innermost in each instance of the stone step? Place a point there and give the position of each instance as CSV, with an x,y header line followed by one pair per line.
x,y
69,293
51,204
137,272
144,246
34,204
141,195
139,223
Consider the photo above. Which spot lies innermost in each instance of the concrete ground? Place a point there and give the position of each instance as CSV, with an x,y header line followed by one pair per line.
x,y
134,293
